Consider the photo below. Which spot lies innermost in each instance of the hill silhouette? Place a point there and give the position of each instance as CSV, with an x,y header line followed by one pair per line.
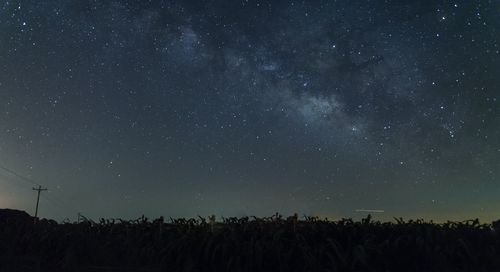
x,y
11,214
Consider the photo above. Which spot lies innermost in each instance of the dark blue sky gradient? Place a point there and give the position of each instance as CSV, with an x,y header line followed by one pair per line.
x,y
123,108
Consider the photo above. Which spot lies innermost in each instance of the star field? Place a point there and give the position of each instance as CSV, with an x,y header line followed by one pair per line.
x,y
179,108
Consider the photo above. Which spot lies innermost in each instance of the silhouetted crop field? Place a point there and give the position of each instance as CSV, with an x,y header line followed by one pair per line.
x,y
248,244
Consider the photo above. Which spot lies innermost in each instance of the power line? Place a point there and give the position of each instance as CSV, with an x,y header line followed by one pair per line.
x,y
59,203
53,199
39,189
12,172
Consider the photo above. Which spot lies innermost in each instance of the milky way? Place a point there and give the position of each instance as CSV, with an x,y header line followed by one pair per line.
x,y
124,108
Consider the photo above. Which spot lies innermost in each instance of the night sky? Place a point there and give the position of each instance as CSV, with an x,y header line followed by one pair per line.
x,y
233,108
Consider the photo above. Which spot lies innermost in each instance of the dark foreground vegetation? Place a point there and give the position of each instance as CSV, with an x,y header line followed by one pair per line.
x,y
248,244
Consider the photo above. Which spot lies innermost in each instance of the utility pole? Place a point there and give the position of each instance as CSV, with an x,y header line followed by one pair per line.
x,y
39,190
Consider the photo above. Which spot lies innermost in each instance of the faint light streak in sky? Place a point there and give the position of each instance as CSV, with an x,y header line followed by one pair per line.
x,y
369,211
